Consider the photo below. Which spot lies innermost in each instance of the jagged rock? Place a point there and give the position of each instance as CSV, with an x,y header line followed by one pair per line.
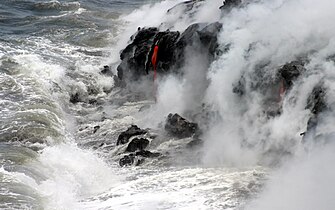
x,y
133,130
136,57
208,37
317,104
75,98
137,158
316,101
286,74
166,41
136,53
106,71
96,128
291,71
127,160
230,4
180,127
147,154
93,101
272,89
239,87
137,144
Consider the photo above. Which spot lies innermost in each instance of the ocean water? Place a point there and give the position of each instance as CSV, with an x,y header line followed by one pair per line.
x,y
52,157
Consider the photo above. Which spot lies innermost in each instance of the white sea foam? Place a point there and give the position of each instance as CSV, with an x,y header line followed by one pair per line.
x,y
176,188
72,174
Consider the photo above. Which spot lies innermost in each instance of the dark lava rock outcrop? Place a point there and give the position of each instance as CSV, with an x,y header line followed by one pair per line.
x,y
286,75
290,72
133,130
230,4
316,101
179,127
137,158
137,144
316,104
147,154
127,160
136,57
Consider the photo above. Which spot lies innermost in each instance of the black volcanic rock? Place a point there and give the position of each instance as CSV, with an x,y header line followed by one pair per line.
x,y
137,144
317,104
137,158
75,98
107,71
127,160
136,57
228,5
147,154
316,101
96,128
180,127
130,132
286,74
208,38
291,71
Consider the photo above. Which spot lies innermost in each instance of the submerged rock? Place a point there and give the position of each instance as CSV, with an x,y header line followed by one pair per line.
x,y
180,127
133,130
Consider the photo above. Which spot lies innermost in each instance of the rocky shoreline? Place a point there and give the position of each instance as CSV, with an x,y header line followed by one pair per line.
x,y
136,63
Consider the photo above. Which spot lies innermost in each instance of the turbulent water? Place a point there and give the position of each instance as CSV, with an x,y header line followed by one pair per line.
x,y
54,157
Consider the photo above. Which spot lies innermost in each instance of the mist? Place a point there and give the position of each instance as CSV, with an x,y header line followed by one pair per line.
x,y
257,39
307,182
271,33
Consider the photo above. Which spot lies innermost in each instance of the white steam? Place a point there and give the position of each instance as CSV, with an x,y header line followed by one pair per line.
x,y
306,183
273,32
264,35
